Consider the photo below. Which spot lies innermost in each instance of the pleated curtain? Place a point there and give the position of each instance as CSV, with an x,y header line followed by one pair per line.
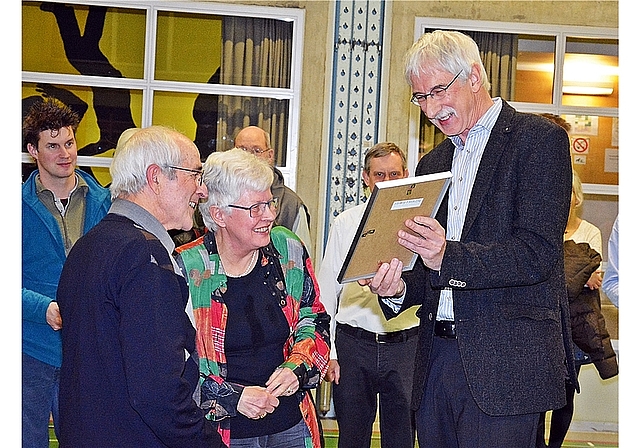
x,y
256,52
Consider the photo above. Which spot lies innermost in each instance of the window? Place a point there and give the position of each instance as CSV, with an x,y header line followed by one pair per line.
x,y
205,69
566,71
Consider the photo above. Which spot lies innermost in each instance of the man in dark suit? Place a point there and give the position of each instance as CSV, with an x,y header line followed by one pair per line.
x,y
495,345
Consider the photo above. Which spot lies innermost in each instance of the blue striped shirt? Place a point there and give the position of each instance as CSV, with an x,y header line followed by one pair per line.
x,y
466,159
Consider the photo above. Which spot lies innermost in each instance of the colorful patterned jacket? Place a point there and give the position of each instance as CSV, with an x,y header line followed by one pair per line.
x,y
306,351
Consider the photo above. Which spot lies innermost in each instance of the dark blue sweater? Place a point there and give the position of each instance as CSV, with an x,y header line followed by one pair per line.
x,y
125,380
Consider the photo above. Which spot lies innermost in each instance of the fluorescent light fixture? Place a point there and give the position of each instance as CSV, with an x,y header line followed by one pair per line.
x,y
583,88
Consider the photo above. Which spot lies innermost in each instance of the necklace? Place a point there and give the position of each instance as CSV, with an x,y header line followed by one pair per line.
x,y
250,266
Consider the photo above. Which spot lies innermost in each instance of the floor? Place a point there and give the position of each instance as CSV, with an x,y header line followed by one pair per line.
x,y
573,440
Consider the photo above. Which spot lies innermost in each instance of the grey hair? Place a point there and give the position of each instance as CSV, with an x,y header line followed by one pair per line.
x,y
227,176
140,149
451,51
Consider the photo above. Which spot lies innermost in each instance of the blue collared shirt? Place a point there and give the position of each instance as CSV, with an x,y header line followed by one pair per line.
x,y
466,160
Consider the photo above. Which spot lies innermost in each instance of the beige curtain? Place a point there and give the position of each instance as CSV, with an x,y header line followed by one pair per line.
x,y
256,52
498,52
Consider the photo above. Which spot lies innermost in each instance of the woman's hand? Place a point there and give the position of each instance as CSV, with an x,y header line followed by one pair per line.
x,y
256,402
282,382
595,281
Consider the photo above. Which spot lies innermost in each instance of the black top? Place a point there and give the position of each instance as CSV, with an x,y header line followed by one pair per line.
x,y
254,339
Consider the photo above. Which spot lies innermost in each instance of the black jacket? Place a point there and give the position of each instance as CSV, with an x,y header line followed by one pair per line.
x,y
125,380
588,328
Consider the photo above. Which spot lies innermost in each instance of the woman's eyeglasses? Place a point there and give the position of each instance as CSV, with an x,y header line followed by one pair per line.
x,y
256,210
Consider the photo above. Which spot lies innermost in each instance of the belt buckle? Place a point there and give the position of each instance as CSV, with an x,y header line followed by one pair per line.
x,y
378,341
448,330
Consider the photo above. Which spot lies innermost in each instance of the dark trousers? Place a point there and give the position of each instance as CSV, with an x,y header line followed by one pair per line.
x,y
560,420
449,417
373,373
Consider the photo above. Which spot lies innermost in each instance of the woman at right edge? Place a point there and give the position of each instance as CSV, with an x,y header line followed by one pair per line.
x,y
592,343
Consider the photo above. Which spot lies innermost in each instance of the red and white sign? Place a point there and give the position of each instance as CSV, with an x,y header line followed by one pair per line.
x,y
580,145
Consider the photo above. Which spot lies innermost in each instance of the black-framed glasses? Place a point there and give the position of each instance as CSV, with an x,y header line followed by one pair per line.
x,y
197,174
254,150
438,92
256,210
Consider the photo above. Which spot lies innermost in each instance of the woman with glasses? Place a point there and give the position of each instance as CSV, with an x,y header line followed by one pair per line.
x,y
261,331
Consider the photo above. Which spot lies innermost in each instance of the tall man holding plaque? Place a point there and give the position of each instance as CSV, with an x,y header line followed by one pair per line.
x,y
495,344
371,357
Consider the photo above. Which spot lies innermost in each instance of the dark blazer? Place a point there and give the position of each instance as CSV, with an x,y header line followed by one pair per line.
x,y
506,272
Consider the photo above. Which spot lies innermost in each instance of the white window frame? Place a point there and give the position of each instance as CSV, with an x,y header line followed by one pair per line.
x,y
560,33
148,84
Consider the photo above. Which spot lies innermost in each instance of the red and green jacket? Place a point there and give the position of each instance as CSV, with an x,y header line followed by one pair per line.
x,y
306,351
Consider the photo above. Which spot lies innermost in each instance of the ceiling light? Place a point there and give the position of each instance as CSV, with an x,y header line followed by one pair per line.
x,y
577,88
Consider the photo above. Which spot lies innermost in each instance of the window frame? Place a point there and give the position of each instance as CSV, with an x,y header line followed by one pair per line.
x,y
148,85
561,34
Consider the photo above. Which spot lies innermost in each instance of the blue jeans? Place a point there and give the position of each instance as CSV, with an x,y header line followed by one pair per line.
x,y
290,438
40,384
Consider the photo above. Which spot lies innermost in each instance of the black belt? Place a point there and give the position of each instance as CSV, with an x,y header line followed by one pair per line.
x,y
445,329
392,337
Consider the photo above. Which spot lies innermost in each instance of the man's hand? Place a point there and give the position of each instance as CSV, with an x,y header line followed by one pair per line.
x,y
387,282
431,243
333,373
53,316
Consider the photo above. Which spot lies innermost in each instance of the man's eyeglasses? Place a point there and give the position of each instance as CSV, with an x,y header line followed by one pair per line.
x,y
255,150
256,210
197,174
437,92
